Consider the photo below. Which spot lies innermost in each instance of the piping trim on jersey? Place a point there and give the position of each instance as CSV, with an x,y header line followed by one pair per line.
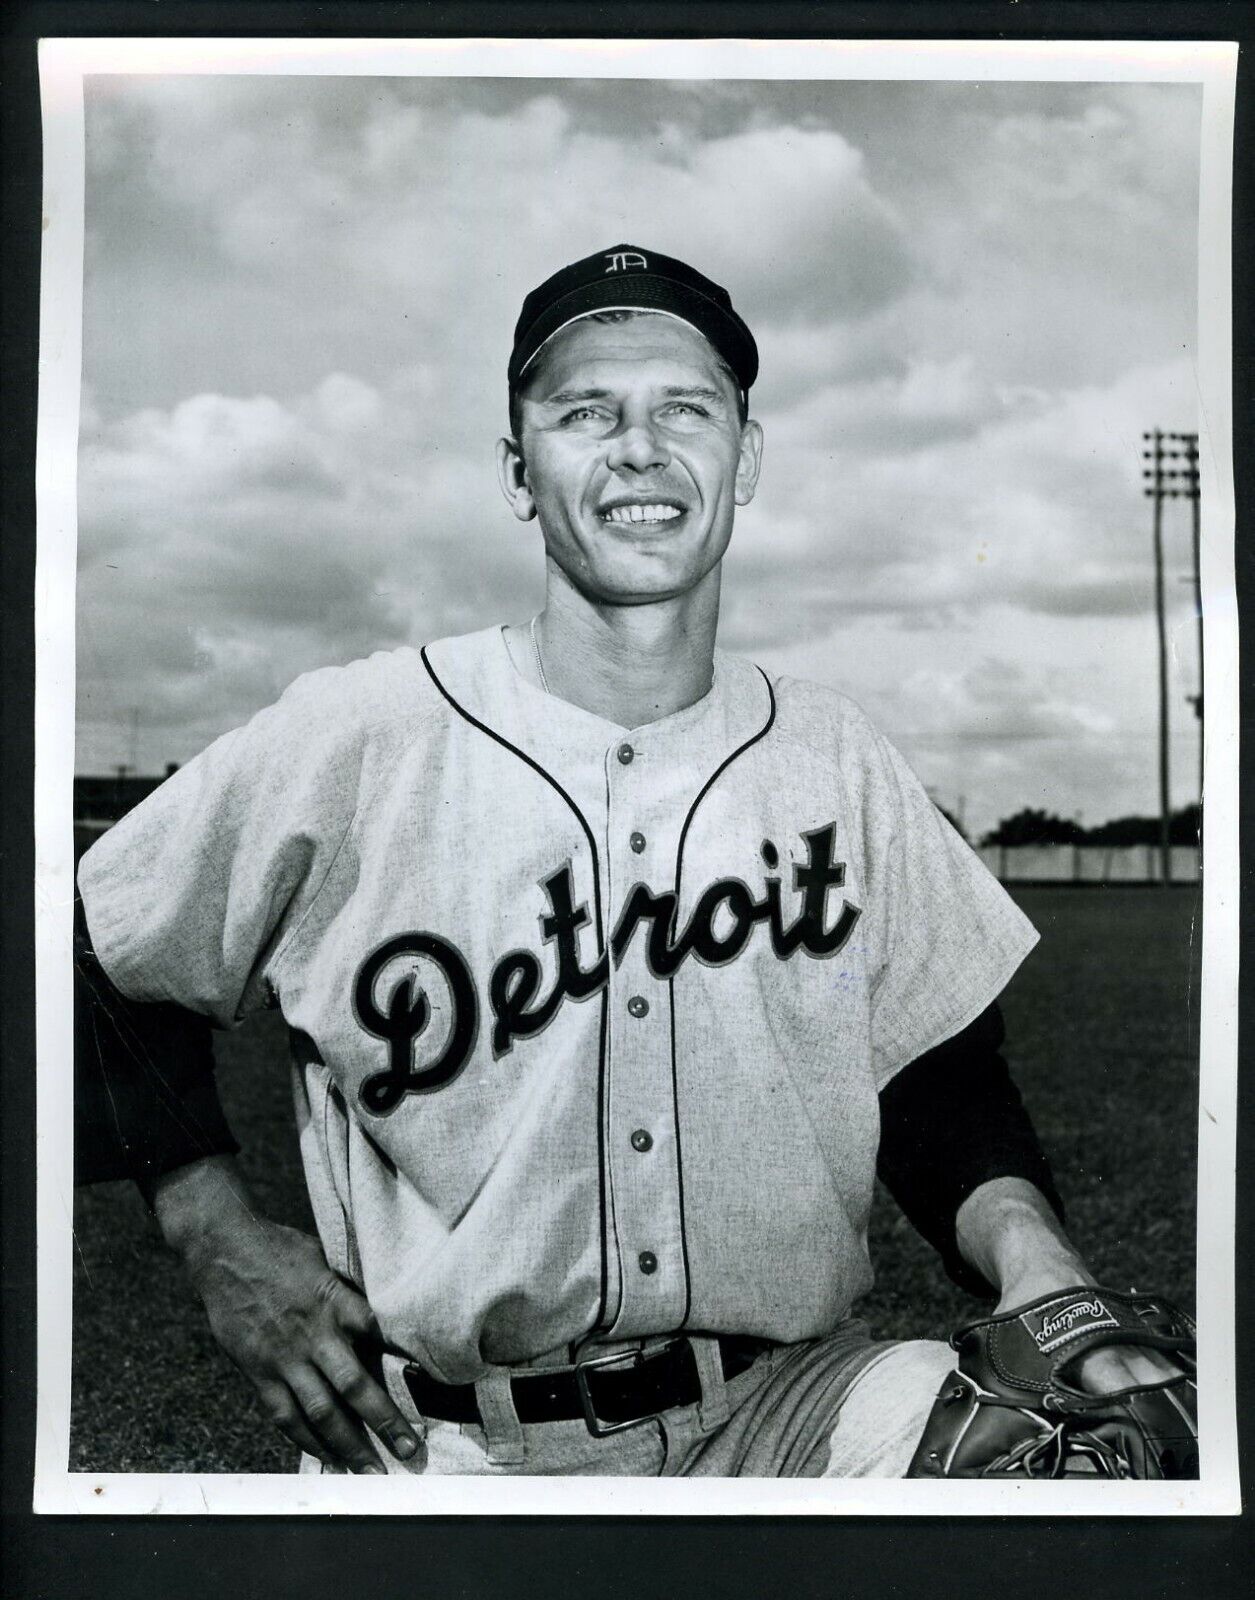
x,y
601,950
679,866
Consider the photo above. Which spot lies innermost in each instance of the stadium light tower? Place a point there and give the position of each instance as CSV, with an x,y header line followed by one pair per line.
x,y
1172,475
1190,489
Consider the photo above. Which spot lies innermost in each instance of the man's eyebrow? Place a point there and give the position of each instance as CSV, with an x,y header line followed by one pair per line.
x,y
693,391
673,391
564,397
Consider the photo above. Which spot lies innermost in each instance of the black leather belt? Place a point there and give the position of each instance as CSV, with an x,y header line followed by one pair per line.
x,y
610,1392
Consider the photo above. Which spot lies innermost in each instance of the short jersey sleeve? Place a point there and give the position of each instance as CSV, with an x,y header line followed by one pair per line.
x,y
943,935
190,895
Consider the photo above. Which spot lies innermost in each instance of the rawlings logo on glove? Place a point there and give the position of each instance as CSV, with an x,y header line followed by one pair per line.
x,y
1011,1410
1061,1320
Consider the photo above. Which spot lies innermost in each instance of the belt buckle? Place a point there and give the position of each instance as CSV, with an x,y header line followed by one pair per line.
x,y
594,1424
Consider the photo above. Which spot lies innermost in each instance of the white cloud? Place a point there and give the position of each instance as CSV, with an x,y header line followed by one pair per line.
x,y
228,544
1015,709
970,301
933,493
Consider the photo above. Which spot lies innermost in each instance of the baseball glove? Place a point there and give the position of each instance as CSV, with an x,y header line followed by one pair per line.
x,y
1009,1410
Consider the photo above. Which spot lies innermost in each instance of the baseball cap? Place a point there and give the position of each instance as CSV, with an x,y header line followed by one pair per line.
x,y
625,277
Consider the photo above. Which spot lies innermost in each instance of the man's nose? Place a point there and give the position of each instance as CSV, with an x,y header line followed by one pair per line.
x,y
637,447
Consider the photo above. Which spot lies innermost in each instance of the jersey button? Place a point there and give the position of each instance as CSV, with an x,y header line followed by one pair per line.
x,y
638,1005
647,1261
642,1140
625,753
637,841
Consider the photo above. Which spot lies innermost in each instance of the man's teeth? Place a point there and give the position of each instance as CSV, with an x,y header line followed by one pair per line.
x,y
658,513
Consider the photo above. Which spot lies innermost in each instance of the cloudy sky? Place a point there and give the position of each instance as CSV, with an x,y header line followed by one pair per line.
x,y
970,301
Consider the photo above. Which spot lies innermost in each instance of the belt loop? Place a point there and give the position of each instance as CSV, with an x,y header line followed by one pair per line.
x,y
393,1373
714,1410
503,1432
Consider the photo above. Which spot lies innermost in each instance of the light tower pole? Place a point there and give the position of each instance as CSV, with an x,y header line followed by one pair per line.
x,y
1173,475
1157,490
1190,489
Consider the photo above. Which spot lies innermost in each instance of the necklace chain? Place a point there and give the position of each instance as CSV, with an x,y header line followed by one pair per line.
x,y
540,665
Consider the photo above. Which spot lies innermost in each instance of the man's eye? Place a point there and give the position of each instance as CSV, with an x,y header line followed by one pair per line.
x,y
581,414
687,408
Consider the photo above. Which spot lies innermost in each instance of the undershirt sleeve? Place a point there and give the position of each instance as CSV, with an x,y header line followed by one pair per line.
x,y
145,1096
952,1120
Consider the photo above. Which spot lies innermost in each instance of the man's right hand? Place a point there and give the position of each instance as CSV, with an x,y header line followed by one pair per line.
x,y
284,1317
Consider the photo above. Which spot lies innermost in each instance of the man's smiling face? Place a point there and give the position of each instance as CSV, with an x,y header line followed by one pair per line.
x,y
633,456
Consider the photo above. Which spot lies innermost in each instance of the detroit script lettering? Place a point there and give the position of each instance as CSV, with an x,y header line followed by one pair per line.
x,y
514,986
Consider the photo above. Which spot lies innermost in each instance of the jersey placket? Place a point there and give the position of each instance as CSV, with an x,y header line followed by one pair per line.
x,y
642,1155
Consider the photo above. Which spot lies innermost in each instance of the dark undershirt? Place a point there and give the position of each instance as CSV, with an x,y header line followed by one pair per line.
x,y
146,1102
950,1121
145,1097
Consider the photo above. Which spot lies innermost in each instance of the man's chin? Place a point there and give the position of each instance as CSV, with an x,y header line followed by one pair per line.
x,y
638,577
634,590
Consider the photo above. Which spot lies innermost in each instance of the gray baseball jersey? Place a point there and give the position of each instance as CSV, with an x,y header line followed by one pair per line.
x,y
588,1023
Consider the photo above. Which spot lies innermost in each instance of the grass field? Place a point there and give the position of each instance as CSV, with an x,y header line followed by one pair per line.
x,y
1102,1036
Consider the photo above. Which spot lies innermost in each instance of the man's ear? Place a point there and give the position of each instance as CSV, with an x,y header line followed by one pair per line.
x,y
512,476
749,463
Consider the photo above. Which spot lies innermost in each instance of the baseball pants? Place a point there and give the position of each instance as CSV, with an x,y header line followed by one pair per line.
x,y
840,1407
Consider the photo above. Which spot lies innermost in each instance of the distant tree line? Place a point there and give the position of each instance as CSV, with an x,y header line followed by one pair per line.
x,y
1032,826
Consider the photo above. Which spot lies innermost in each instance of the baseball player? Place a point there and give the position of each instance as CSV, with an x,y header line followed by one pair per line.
x,y
614,970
